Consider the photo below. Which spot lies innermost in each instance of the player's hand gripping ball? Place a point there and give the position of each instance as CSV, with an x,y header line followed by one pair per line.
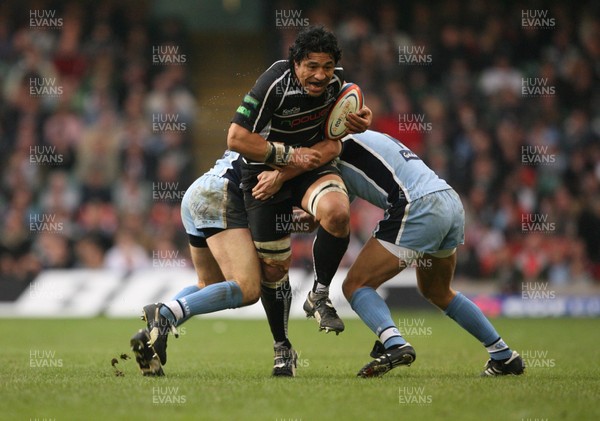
x,y
349,100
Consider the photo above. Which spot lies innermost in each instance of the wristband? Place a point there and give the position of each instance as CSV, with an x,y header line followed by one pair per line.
x,y
270,154
285,155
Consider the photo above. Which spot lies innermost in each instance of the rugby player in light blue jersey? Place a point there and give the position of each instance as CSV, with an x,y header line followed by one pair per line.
x,y
423,225
223,254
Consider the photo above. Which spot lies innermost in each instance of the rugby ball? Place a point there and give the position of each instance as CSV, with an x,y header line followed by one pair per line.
x,y
349,100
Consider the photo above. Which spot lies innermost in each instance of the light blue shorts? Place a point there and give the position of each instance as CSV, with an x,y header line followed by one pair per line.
x,y
212,202
430,224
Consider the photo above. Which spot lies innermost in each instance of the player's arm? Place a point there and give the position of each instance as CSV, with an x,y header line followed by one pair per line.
x,y
253,114
269,182
256,148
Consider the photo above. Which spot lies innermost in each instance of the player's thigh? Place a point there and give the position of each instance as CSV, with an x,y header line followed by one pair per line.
x,y
210,206
270,224
207,268
373,266
233,250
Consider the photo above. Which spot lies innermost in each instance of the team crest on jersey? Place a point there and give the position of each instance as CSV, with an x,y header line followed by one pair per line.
x,y
408,154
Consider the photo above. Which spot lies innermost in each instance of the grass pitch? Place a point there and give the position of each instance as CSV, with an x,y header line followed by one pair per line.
x,y
220,370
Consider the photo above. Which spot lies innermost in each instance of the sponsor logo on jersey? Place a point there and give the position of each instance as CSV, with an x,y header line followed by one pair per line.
x,y
289,111
243,111
308,118
251,101
408,154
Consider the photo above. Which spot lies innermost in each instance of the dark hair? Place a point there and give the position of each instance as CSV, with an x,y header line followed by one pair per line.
x,y
314,39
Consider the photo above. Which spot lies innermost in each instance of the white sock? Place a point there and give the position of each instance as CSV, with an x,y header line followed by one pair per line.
x,y
176,309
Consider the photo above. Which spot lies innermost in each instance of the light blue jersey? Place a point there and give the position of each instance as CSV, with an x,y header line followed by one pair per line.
x,y
228,166
422,212
381,170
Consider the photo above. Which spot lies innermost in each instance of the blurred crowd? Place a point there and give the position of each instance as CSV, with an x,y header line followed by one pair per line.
x,y
95,127
502,100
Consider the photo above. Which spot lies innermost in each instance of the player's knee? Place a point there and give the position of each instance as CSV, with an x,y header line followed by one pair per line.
x,y
251,294
335,218
329,203
275,257
250,287
252,299
274,270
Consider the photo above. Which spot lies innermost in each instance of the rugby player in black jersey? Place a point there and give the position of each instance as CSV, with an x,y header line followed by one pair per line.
x,y
278,121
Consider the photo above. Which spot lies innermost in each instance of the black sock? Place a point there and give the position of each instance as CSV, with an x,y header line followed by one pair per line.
x,y
276,303
328,252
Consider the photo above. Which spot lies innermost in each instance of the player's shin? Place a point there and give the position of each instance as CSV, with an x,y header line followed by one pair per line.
x,y
374,312
391,350
169,314
214,297
466,313
276,298
328,252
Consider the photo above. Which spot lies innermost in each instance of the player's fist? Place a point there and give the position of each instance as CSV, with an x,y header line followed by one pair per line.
x,y
305,159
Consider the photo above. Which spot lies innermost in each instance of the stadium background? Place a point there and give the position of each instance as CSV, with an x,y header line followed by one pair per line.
x,y
110,110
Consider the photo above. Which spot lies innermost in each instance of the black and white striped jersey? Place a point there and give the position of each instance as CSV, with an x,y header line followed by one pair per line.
x,y
278,108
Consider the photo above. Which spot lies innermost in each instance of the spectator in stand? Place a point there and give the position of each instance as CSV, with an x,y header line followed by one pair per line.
x,y
126,253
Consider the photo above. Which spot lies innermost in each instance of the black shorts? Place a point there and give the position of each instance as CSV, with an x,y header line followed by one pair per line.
x,y
200,242
270,219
